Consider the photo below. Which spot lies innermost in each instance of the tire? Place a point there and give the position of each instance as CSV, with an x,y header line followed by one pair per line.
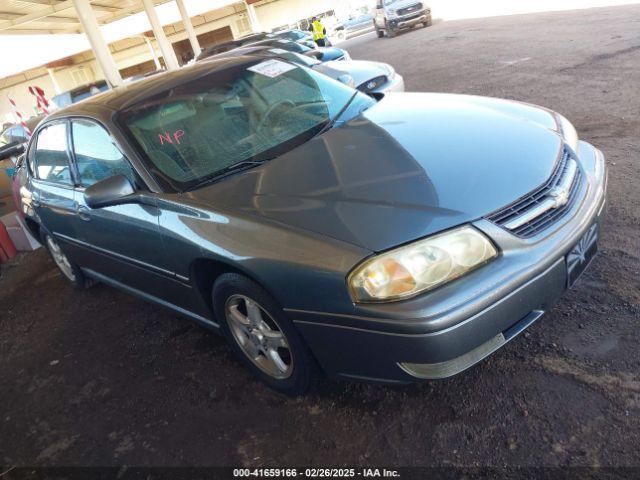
x,y
261,335
69,270
427,24
390,32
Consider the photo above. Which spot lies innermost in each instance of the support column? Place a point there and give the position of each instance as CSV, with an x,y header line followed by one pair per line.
x,y
98,44
152,51
170,59
253,18
52,77
188,27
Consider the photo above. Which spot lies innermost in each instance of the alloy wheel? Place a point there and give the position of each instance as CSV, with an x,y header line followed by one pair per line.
x,y
60,259
259,336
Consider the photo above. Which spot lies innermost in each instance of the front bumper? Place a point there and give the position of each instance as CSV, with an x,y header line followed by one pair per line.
x,y
409,21
448,330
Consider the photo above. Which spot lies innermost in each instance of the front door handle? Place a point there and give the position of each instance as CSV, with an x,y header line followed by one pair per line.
x,y
83,213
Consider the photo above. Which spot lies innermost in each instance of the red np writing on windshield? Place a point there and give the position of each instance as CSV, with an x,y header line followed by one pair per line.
x,y
169,138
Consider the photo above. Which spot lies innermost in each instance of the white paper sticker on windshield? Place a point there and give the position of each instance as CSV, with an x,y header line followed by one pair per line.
x,y
271,68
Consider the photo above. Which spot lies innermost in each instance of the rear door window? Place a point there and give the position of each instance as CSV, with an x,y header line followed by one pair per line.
x,y
51,160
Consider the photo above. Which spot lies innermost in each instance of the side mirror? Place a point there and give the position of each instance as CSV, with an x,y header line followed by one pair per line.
x,y
11,150
116,190
347,80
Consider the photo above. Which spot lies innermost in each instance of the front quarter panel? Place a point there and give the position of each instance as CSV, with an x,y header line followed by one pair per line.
x,y
300,269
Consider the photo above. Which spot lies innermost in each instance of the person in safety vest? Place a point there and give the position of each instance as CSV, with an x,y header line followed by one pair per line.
x,y
319,32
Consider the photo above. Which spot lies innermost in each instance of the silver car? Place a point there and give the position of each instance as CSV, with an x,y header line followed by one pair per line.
x,y
394,238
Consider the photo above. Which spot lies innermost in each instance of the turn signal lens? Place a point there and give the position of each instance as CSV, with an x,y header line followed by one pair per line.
x,y
420,266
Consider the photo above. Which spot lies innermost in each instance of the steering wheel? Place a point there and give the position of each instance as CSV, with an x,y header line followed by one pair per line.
x,y
271,110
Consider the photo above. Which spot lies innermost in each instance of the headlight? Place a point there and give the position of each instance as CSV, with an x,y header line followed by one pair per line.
x,y
420,266
391,73
568,133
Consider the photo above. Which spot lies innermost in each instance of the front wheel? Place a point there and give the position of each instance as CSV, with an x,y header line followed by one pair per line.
x,y
390,32
261,336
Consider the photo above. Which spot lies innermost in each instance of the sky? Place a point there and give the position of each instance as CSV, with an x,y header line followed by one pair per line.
x,y
29,51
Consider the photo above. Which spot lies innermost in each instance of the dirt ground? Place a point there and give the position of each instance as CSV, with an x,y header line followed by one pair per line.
x,y
102,378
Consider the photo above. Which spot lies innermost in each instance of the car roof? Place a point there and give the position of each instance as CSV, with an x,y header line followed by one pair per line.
x,y
124,96
225,46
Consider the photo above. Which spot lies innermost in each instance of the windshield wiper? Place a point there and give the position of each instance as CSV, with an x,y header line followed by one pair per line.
x,y
236,167
331,123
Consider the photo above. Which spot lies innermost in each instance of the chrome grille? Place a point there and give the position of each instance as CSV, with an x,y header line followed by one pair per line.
x,y
410,9
371,85
541,208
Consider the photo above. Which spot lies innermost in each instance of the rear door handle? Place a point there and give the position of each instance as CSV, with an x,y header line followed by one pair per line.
x,y
83,213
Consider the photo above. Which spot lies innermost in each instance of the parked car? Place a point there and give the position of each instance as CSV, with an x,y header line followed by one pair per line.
x,y
395,15
16,135
394,239
13,140
323,54
230,45
356,25
294,35
79,93
368,77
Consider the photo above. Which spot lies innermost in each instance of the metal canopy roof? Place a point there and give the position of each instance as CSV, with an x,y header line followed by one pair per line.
x,y
59,16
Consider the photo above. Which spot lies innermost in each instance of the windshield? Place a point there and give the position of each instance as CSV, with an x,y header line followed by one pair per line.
x,y
250,111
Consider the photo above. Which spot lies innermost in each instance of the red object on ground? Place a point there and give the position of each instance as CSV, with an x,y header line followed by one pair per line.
x,y
7,249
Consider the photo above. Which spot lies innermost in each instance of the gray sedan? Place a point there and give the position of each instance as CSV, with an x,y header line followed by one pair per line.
x,y
393,238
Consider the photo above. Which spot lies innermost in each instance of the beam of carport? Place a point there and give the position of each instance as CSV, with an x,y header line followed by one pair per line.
x,y
170,59
188,27
253,16
98,44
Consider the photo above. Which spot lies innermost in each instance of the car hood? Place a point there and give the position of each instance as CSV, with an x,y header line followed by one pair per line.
x,y
360,70
402,4
330,53
408,167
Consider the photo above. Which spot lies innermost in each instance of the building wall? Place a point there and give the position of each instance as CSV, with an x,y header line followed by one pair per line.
x,y
134,51
275,13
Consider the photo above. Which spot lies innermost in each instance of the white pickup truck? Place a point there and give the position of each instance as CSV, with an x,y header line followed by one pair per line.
x,y
394,15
